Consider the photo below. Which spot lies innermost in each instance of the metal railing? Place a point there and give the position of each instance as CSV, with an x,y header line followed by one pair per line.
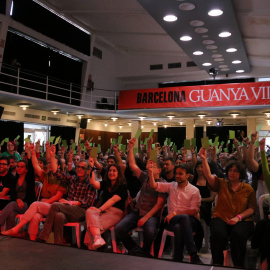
x,y
28,83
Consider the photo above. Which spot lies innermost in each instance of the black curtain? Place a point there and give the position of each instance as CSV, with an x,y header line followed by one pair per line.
x,y
198,136
223,133
11,130
176,134
66,133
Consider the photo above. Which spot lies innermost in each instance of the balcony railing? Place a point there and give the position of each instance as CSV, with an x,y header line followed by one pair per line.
x,y
27,83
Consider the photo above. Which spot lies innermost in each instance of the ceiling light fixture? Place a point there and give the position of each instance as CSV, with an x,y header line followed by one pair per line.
x,y
129,123
181,123
89,119
225,34
24,105
206,64
105,124
236,61
197,53
201,115
120,126
141,117
55,111
215,12
231,50
165,126
142,127
170,117
239,71
79,115
209,122
234,115
185,38
155,123
267,114
170,18
114,118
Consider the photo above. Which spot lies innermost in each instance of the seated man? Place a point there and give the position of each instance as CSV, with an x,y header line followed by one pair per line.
x,y
183,206
146,213
52,191
80,197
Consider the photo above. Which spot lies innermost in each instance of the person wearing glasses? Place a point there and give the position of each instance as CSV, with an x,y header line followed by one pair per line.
x,y
81,195
112,205
6,182
11,150
22,194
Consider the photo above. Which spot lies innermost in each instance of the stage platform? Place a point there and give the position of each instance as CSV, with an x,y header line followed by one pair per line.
x,y
24,254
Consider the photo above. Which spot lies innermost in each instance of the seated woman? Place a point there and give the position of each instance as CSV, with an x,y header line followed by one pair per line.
x,y
22,194
261,237
52,191
112,207
207,196
199,181
232,216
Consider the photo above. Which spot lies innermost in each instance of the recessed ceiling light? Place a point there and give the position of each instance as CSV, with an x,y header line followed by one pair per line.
x,y
236,62
208,41
201,115
120,126
89,119
215,12
55,111
267,114
24,106
165,126
240,71
224,34
170,18
196,23
170,117
141,117
79,115
197,53
206,64
105,124
142,126
234,115
231,50
155,123
129,123
201,30
181,123
209,122
185,38
186,6
211,47
114,118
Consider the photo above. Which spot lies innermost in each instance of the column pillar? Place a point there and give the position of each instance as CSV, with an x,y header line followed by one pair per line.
x,y
251,125
190,128
135,125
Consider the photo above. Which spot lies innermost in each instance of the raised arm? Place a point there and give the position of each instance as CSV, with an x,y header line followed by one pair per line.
x,y
52,158
253,165
132,163
37,169
118,157
206,169
150,173
93,182
265,166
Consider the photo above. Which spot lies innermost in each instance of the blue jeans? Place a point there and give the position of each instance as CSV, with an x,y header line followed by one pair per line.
x,y
183,227
9,214
129,223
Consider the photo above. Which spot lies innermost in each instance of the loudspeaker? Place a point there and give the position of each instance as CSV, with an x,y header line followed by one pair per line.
x,y
1,111
83,124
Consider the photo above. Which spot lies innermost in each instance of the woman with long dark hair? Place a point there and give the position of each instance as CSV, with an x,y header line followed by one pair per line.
x,y
112,205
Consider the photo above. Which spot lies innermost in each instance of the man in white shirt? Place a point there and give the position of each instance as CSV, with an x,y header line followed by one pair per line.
x,y
184,202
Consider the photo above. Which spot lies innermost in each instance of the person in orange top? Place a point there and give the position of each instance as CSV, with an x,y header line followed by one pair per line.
x,y
232,217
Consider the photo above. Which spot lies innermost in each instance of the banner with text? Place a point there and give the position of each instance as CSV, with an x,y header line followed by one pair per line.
x,y
237,94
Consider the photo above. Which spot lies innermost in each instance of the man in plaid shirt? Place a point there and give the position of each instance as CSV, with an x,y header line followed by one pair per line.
x,y
81,196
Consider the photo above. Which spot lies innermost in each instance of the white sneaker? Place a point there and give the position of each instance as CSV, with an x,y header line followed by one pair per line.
x,y
99,242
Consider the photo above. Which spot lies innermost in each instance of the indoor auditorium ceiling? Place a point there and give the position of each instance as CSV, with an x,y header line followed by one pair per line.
x,y
137,27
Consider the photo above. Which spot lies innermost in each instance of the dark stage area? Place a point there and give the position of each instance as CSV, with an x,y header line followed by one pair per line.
x,y
24,254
